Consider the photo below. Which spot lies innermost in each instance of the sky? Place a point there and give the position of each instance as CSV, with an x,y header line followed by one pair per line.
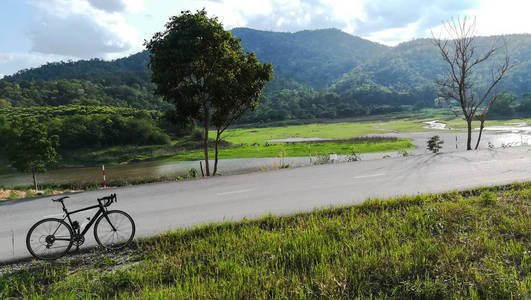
x,y
33,32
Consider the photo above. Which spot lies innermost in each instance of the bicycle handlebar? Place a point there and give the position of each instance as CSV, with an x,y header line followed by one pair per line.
x,y
108,199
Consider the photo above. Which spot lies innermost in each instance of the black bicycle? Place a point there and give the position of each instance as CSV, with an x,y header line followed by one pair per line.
x,y
52,238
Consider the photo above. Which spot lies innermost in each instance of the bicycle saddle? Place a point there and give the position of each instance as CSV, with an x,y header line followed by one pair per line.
x,y
60,199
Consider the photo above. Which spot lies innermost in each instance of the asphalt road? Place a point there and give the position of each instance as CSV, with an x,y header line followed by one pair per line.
x,y
160,207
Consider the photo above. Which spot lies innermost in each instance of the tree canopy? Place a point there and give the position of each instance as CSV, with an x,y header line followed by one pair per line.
x,y
29,147
203,70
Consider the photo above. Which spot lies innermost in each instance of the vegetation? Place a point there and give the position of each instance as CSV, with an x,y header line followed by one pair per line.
x,y
319,74
434,144
460,52
95,126
471,244
202,69
77,92
29,147
301,149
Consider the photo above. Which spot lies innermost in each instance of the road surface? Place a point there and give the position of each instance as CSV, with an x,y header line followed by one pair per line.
x,y
160,207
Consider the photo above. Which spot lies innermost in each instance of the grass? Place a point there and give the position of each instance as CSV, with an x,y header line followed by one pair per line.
x,y
460,123
452,245
333,131
244,142
301,149
21,192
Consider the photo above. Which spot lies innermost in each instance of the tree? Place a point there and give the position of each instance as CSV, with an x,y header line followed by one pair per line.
x,y
525,104
460,53
203,70
4,103
29,148
434,144
504,104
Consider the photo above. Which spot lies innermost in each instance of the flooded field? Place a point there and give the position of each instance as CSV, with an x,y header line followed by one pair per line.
x,y
145,170
510,135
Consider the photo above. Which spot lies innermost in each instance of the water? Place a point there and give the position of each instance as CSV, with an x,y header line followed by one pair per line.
x,y
498,136
144,170
435,125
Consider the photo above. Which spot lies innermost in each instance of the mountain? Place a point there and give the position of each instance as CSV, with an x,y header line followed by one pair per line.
x,y
314,58
128,70
413,67
318,74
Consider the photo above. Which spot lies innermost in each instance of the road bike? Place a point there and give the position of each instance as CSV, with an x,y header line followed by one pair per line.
x,y
51,238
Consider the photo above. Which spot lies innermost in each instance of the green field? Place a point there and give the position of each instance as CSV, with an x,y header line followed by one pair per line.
x,y
251,142
301,149
473,244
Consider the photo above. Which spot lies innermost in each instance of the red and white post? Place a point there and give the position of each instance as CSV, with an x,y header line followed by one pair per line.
x,y
104,179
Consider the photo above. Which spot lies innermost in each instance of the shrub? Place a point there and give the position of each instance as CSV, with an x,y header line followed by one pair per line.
x,y
192,173
434,144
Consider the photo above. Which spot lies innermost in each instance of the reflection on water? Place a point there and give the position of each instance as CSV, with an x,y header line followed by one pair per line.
x,y
515,129
435,125
142,170
510,140
156,169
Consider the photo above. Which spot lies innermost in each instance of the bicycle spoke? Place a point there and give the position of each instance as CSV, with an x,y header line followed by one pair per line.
x,y
114,230
49,239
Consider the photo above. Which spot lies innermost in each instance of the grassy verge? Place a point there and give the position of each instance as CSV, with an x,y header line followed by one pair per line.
x,y
474,244
21,192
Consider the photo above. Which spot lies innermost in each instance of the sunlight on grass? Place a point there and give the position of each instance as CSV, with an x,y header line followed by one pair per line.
x,y
438,246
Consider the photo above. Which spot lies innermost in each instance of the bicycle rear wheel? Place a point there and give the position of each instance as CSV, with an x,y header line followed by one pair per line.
x,y
114,230
49,239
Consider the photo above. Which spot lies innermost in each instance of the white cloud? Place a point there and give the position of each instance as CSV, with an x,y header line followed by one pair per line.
x,y
12,62
384,21
502,17
118,5
76,28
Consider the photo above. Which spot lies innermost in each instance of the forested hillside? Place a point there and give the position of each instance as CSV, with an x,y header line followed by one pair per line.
x,y
318,74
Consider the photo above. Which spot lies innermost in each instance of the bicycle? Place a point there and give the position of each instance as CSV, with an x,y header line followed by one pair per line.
x,y
51,238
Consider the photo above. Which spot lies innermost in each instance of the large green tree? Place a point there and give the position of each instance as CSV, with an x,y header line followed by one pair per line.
x,y
29,147
203,70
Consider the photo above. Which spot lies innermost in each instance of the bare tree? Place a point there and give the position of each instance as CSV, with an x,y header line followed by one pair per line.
x,y
459,51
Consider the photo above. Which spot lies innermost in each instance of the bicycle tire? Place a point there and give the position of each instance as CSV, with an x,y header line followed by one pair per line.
x,y
112,239
45,233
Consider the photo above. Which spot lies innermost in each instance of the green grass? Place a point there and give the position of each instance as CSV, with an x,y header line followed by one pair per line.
x,y
300,149
460,123
249,142
333,130
439,246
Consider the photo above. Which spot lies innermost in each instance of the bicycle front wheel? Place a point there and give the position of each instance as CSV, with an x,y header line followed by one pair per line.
x,y
114,230
49,239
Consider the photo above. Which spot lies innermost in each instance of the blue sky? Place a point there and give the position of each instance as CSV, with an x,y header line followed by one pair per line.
x,y
33,32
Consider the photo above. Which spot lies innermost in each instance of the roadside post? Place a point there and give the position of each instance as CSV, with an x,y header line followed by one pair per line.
x,y
310,153
104,178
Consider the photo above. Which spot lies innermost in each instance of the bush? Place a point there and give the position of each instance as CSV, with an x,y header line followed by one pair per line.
x,y
192,173
434,144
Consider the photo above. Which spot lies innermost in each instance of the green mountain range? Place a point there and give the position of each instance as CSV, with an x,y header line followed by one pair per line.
x,y
318,74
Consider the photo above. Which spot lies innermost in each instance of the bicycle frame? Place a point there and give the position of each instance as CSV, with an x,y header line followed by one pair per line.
x,y
101,210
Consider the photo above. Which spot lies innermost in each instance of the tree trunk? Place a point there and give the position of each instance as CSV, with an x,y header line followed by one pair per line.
x,y
205,144
480,132
216,153
34,180
469,138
